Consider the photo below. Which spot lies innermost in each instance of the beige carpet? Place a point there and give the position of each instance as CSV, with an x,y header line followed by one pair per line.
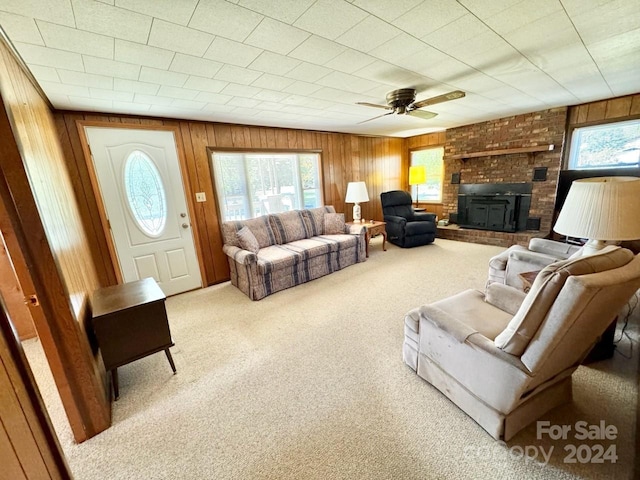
x,y
309,384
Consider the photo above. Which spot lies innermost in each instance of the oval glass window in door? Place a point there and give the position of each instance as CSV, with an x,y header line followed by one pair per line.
x,y
145,193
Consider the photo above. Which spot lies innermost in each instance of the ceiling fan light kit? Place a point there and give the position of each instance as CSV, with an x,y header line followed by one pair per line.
x,y
403,102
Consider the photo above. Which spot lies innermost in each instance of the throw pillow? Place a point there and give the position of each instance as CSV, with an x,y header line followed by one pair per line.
x,y
333,223
247,240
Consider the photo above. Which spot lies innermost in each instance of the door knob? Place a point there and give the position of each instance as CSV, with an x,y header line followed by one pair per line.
x,y
183,215
185,225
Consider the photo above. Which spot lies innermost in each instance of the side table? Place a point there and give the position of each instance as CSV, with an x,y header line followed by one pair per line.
x,y
130,322
373,228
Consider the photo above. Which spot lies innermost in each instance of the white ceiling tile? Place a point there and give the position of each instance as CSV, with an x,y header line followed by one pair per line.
x,y
429,16
72,40
308,72
270,96
194,65
209,97
458,31
61,88
104,66
20,28
178,38
153,99
349,61
188,104
84,103
231,52
243,102
272,106
243,112
128,107
112,21
269,62
606,20
384,72
317,50
276,36
136,87
131,52
162,77
104,94
344,81
55,11
485,52
487,8
236,90
272,82
302,88
229,73
617,46
222,18
387,9
284,10
401,46
174,11
522,14
330,19
85,79
368,34
205,84
216,107
175,92
47,74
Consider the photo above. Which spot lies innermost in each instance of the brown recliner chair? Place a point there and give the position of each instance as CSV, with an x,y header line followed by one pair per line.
x,y
506,357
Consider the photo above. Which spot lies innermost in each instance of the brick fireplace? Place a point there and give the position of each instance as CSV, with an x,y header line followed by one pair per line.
x,y
508,151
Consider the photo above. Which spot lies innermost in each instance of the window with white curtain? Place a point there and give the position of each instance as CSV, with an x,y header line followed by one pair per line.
x,y
250,184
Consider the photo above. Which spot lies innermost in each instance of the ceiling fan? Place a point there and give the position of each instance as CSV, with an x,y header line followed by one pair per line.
x,y
403,102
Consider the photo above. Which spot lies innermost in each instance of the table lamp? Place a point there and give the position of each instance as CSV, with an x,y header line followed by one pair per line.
x,y
356,193
601,209
417,176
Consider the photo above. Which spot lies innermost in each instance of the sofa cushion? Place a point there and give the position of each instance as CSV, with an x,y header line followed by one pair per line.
x,y
247,240
526,322
276,257
314,219
310,247
334,223
289,226
259,226
339,242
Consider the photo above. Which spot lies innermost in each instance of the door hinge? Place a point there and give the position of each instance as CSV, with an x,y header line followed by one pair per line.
x,y
32,300
108,224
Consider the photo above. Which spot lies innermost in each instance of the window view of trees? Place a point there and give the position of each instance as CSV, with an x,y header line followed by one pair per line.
x,y
608,145
252,184
431,158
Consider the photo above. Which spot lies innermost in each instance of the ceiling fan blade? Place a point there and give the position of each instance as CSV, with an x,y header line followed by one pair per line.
x,y
439,99
383,115
422,114
386,107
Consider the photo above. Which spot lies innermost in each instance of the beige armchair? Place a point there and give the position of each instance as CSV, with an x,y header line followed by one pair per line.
x,y
506,357
507,266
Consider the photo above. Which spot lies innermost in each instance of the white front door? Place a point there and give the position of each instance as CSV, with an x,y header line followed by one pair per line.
x,y
141,186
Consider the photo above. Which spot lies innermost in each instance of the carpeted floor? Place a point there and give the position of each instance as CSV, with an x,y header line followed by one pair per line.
x,y
309,383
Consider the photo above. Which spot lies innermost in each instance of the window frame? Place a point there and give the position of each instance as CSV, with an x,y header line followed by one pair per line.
x,y
412,188
570,139
268,151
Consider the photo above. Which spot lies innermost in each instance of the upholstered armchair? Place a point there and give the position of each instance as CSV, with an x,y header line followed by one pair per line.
x,y
507,266
506,357
406,227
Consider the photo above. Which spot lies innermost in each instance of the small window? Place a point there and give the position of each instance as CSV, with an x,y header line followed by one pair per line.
x,y
609,145
145,193
431,190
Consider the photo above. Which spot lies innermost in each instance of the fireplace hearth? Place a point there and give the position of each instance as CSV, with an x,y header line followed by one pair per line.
x,y
500,207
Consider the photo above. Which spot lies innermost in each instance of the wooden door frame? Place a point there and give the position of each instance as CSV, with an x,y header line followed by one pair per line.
x,y
95,186
83,394
29,446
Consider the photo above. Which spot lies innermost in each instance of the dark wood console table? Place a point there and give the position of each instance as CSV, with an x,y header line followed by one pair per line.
x,y
130,322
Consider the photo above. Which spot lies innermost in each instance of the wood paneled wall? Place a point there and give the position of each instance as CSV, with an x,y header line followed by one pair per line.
x,y
39,201
378,161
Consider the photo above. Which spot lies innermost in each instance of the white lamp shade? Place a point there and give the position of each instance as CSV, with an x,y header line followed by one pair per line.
x,y
356,193
602,208
417,175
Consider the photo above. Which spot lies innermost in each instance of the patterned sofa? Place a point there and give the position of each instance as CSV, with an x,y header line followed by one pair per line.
x,y
286,249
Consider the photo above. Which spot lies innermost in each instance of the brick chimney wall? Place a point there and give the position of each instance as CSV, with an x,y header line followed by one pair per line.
x,y
532,129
